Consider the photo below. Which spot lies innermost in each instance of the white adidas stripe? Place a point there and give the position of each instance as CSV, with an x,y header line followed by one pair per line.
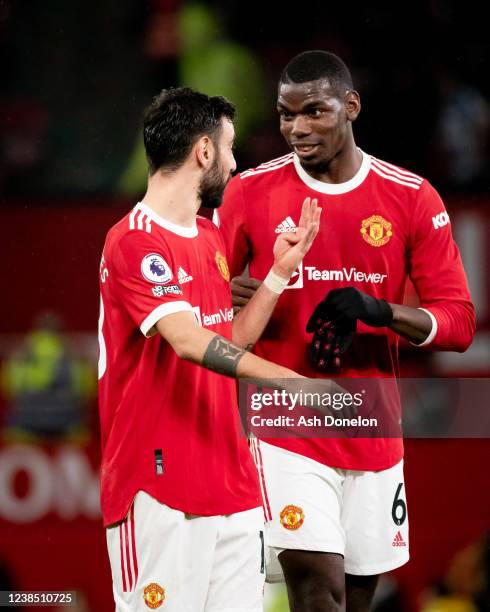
x,y
394,178
409,179
405,173
273,162
138,223
260,171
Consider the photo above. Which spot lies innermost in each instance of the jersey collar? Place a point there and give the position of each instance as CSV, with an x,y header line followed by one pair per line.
x,y
334,188
180,230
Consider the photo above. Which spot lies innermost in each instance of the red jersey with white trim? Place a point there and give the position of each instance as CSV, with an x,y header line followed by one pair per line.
x,y
169,427
376,229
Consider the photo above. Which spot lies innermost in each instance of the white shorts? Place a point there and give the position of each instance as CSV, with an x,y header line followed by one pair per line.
x,y
310,506
161,557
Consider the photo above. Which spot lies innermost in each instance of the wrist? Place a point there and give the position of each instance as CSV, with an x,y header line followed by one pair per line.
x,y
276,280
281,272
386,313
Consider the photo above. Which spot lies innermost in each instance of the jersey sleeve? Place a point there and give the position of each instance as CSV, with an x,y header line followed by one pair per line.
x,y
436,270
145,280
231,220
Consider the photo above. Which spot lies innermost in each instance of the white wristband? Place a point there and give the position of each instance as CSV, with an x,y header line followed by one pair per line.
x,y
275,283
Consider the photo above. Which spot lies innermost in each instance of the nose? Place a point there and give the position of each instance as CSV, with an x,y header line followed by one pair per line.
x,y
233,164
301,126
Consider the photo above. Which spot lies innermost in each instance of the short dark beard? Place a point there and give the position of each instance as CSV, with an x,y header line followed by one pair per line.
x,y
317,168
212,187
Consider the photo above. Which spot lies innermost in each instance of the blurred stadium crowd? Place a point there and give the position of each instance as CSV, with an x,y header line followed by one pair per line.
x,y
75,78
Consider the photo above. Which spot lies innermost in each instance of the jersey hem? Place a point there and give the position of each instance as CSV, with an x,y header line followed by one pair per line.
x,y
110,522
375,568
341,465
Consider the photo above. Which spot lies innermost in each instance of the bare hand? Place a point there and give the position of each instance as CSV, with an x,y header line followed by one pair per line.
x,y
291,247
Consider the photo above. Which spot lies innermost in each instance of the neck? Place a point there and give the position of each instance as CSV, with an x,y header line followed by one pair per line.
x,y
342,167
174,196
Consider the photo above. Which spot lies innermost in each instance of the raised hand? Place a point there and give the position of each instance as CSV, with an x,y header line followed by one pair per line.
x,y
291,247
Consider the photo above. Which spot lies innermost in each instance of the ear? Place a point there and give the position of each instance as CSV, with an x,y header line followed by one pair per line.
x,y
352,104
204,150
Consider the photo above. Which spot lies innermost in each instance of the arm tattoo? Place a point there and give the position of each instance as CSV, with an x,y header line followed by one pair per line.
x,y
222,356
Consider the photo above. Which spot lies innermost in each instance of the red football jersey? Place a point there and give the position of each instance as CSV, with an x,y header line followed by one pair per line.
x,y
376,229
169,427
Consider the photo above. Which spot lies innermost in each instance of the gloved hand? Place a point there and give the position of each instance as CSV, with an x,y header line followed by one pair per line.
x,y
333,323
349,304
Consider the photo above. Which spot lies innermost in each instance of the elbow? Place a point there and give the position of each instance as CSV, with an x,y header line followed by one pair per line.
x,y
464,342
456,327
458,337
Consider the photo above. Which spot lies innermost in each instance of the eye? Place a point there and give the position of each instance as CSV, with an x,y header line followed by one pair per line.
x,y
316,113
285,115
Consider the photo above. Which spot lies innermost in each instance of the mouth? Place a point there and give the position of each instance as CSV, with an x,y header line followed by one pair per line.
x,y
304,149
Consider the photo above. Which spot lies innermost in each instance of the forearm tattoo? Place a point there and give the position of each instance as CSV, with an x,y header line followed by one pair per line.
x,y
222,356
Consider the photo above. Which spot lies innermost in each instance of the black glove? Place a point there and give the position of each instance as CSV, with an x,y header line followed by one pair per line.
x,y
333,323
349,304
329,340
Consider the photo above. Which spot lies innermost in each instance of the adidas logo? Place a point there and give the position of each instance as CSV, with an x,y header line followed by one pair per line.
x,y
183,276
288,225
398,540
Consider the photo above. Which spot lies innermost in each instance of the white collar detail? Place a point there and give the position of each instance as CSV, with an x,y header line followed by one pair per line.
x,y
334,188
180,230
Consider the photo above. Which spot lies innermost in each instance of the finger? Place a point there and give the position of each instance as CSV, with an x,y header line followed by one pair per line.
x,y
245,281
239,301
316,319
312,228
242,291
308,236
305,212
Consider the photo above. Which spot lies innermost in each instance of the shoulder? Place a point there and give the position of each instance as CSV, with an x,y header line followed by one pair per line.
x,y
395,176
206,225
267,170
134,232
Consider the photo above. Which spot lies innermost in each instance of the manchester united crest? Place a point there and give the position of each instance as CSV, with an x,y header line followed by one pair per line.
x,y
154,595
222,266
376,231
292,517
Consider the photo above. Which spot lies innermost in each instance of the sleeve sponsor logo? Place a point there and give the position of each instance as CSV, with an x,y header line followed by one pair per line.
x,y
155,269
376,230
440,220
160,291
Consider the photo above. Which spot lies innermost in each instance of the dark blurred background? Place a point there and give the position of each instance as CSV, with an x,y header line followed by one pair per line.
x,y
75,77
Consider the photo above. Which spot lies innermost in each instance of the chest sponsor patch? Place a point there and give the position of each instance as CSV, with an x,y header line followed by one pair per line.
x,y
205,320
376,230
349,275
155,269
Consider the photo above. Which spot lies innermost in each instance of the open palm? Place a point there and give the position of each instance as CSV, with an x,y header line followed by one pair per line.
x,y
291,247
